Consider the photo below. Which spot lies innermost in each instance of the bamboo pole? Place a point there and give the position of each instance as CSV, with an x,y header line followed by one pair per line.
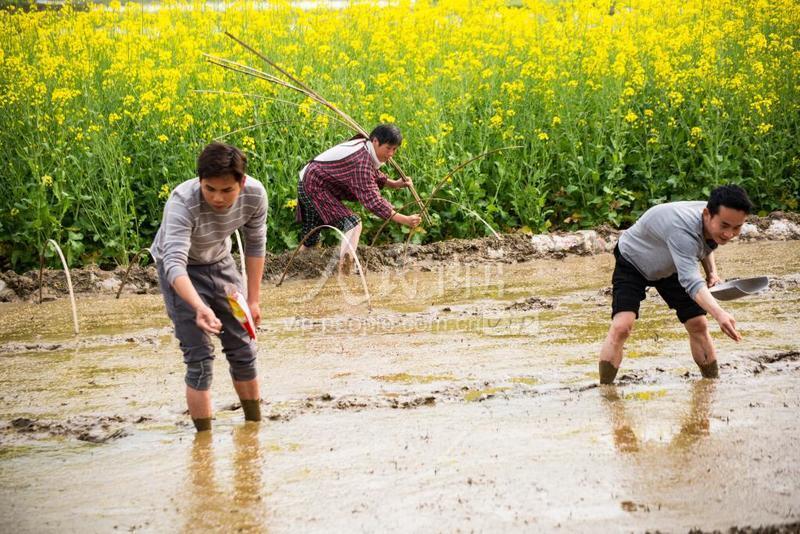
x,y
444,181
128,270
69,285
361,270
319,98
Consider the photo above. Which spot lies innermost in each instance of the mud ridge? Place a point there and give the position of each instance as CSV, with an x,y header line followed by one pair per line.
x,y
16,348
510,248
786,356
787,528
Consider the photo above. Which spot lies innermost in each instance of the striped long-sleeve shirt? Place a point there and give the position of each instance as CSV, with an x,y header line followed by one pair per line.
x,y
192,233
354,177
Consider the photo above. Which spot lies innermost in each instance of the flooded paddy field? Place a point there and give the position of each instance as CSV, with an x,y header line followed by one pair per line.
x,y
465,399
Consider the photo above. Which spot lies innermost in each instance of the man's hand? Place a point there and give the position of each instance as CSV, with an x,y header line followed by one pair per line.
x,y
207,321
255,312
728,325
407,182
712,279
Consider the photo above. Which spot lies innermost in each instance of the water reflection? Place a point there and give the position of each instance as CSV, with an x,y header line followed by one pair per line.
x,y
211,505
694,425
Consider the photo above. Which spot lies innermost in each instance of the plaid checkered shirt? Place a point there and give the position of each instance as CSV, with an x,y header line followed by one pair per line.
x,y
354,178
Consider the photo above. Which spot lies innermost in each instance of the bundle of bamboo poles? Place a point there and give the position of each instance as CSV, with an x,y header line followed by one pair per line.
x,y
297,85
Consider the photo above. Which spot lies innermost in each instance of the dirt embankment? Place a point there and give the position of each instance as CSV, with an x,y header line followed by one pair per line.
x,y
510,248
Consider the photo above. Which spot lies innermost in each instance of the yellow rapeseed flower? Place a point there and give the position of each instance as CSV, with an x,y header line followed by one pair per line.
x,y
163,192
291,203
631,117
47,180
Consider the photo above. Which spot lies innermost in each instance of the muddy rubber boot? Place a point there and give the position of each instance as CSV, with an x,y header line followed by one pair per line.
x,y
202,424
709,370
252,409
607,372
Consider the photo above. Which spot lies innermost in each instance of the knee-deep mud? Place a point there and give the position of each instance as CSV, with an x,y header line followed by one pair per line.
x,y
466,399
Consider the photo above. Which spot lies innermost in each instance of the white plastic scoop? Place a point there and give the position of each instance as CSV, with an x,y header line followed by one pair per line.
x,y
742,287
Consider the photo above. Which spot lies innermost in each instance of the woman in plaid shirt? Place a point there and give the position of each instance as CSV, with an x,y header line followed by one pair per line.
x,y
349,171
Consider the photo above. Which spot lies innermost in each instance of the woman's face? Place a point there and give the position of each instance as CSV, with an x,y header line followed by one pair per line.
x,y
384,151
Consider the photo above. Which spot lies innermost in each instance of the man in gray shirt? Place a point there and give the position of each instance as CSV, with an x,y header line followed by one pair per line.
x,y
662,250
196,270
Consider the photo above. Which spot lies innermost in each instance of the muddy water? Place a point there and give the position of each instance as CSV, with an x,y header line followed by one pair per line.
x,y
464,399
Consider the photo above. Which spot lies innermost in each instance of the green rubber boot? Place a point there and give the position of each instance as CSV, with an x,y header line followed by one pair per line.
x,y
709,370
252,409
607,372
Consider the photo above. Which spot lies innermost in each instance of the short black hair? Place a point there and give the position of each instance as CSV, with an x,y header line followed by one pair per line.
x,y
387,133
731,196
219,159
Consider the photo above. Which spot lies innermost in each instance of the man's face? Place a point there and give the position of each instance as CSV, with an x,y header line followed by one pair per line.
x,y
220,192
384,151
723,226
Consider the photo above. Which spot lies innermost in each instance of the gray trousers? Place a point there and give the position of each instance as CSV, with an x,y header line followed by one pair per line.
x,y
210,282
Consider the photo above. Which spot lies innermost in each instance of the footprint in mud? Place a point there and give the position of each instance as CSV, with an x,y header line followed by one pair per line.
x,y
786,356
84,428
787,282
531,303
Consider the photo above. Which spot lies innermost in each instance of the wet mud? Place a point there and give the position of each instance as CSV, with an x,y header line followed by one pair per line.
x,y
466,399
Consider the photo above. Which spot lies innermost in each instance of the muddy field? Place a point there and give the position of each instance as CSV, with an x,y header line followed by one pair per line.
x,y
465,399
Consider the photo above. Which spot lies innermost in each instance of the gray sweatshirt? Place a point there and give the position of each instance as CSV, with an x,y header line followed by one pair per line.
x,y
668,238
191,233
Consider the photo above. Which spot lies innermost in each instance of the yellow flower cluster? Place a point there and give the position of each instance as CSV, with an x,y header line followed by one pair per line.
x,y
144,64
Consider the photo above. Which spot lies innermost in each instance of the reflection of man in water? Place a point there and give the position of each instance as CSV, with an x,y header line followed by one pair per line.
x,y
193,258
693,427
214,508
662,250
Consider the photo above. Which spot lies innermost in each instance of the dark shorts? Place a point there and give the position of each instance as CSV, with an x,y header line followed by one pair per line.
x,y
629,287
311,218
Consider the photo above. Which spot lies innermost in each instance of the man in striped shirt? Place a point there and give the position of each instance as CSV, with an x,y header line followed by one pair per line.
x,y
349,171
195,270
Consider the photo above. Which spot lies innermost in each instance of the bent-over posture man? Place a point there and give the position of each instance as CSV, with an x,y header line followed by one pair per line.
x,y
662,250
349,171
192,252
